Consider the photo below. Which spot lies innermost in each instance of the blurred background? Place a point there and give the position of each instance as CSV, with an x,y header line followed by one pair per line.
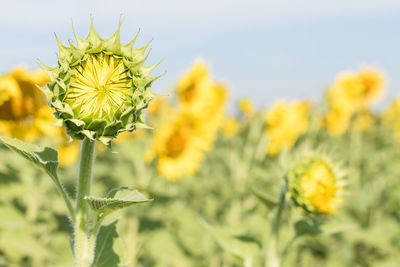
x,y
264,50
223,139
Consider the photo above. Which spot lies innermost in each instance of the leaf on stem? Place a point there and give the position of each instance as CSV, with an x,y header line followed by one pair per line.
x,y
43,157
106,254
303,227
116,199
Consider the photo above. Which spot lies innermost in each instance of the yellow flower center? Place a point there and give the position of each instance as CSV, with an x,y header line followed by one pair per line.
x,y
100,87
176,143
319,188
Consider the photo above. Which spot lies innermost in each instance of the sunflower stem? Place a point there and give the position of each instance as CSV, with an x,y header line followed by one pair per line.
x,y
83,251
272,253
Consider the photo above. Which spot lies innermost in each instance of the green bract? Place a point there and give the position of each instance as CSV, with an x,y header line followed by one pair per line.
x,y
100,86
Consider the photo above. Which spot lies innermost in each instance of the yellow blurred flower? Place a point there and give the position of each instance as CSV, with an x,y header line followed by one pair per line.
x,y
363,120
285,122
373,85
68,153
352,93
179,144
391,117
195,87
203,99
178,147
23,109
316,185
155,106
337,121
246,107
230,127
198,94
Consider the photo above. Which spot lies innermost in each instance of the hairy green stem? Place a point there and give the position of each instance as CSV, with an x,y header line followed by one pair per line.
x,y
272,254
61,190
83,251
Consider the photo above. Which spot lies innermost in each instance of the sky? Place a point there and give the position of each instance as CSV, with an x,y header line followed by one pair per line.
x,y
265,50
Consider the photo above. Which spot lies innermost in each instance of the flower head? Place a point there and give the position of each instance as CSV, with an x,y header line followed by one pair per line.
x,y
246,107
285,122
352,93
391,117
230,127
178,147
100,86
316,184
23,110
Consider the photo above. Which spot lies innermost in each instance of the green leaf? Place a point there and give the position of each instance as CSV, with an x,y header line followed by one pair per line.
x,y
104,254
303,227
238,246
268,200
43,157
116,199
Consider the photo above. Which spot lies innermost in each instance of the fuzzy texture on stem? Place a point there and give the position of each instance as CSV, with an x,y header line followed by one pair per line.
x,y
83,252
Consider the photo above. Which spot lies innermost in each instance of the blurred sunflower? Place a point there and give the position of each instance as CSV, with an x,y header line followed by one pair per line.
x,y
391,117
285,122
24,113
316,184
23,110
198,94
230,127
352,94
194,88
203,99
363,120
337,121
68,153
246,107
178,147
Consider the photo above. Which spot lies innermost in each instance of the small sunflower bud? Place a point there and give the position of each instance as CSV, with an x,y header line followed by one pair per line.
x,y
315,184
100,86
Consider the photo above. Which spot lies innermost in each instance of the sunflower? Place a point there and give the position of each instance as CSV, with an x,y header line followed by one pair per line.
x,y
23,110
352,94
337,121
316,184
246,107
100,87
230,127
285,122
194,86
391,117
178,147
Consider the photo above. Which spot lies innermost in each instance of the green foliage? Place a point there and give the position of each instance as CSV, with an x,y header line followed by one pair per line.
x,y
239,246
105,256
229,193
116,199
43,157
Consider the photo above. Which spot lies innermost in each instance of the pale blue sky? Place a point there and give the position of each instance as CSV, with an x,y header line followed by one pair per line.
x,y
263,49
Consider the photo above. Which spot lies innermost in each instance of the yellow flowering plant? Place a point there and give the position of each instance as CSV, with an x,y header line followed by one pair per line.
x,y
285,123
98,89
350,96
315,183
180,143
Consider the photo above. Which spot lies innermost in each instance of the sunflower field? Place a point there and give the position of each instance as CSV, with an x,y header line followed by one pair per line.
x,y
179,181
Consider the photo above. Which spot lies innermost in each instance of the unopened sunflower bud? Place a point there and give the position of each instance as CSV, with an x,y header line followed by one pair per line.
x,y
100,86
316,184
